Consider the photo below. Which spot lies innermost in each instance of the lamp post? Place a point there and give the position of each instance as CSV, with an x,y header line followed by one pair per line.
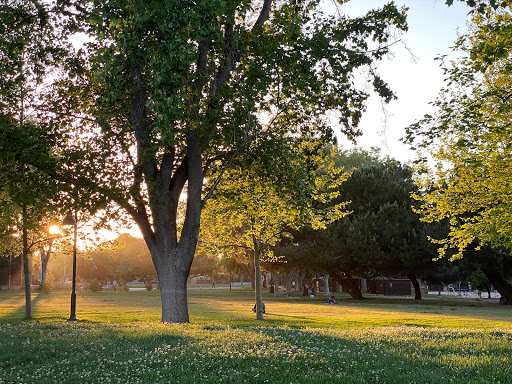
x,y
71,220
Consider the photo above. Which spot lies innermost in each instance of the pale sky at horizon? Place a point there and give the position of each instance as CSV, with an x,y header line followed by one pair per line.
x,y
433,28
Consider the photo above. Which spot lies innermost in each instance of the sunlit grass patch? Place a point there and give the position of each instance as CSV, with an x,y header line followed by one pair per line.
x,y
142,353
119,340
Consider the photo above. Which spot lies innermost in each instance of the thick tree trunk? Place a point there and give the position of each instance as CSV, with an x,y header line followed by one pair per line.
x,y
173,259
350,285
172,269
416,285
502,286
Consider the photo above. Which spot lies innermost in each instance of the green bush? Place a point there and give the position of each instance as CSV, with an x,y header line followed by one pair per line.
x,y
47,284
95,285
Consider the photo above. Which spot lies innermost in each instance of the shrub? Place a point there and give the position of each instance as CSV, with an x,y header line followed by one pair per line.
x,y
95,285
149,286
47,284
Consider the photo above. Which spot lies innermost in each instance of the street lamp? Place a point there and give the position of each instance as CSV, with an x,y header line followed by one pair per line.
x,y
71,220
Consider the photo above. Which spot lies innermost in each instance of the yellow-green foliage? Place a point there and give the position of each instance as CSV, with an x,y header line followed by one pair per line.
x,y
470,141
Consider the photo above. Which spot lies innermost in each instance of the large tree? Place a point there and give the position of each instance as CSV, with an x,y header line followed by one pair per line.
x,y
30,47
162,90
469,139
381,236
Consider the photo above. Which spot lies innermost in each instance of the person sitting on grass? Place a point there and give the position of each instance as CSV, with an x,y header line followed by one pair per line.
x,y
332,300
262,307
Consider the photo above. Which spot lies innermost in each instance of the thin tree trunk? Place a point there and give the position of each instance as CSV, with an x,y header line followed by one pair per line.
x,y
364,286
327,291
257,278
300,280
10,269
416,285
488,289
289,279
275,280
26,269
45,257
44,268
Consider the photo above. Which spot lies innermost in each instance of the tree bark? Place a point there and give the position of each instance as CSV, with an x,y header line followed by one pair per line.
x,y
327,291
173,259
45,257
289,279
416,285
44,267
300,280
172,275
349,285
501,285
275,281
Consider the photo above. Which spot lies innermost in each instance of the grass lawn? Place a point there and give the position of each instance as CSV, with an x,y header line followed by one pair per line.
x,y
119,340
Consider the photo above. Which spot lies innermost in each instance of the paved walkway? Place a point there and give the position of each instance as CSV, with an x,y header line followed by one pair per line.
x,y
468,295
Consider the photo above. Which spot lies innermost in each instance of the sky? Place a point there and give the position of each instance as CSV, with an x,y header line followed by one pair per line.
x,y
433,28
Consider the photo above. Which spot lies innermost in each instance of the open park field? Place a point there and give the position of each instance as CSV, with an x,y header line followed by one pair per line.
x,y
119,340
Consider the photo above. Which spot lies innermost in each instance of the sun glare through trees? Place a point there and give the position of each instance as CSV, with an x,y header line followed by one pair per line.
x,y
177,161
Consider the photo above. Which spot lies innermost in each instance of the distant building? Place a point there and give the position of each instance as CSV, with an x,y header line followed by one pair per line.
x,y
11,269
398,287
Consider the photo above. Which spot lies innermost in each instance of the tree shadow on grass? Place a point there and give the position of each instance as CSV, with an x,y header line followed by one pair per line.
x,y
87,352
16,307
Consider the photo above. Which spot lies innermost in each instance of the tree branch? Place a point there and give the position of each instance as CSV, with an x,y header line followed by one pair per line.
x,y
264,15
166,167
138,117
231,54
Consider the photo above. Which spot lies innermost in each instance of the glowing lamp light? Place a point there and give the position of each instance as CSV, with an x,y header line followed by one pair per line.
x,y
54,230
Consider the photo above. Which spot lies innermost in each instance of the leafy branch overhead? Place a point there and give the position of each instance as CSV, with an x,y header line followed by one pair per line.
x,y
254,204
481,5
469,141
